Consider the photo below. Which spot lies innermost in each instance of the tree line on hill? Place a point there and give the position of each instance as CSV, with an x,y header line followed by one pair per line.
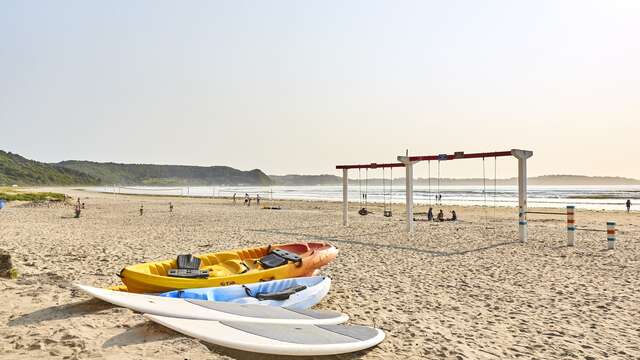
x,y
15,169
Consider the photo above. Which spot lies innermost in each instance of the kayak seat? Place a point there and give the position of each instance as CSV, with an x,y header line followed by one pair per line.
x,y
280,295
188,267
279,257
188,262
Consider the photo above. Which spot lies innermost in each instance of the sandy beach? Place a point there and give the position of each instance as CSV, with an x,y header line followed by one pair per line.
x,y
465,290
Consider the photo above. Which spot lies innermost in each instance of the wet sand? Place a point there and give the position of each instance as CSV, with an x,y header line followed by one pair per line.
x,y
452,290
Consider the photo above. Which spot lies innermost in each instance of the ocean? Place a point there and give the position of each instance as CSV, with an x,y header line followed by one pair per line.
x,y
600,197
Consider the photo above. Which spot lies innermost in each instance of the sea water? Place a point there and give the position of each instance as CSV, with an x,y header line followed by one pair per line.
x,y
598,197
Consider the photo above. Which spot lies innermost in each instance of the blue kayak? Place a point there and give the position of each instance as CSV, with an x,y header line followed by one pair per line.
x,y
295,293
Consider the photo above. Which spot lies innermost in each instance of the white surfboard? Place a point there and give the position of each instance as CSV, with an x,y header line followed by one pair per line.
x,y
211,310
278,339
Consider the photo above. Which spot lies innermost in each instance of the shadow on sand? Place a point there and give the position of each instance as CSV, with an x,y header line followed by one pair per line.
x,y
61,312
142,333
384,246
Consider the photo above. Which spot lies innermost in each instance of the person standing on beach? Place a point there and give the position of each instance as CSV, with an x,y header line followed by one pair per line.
x,y
257,199
234,198
141,209
170,207
246,199
628,205
430,214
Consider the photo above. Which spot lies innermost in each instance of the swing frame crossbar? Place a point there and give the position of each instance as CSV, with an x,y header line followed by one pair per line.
x,y
369,166
458,155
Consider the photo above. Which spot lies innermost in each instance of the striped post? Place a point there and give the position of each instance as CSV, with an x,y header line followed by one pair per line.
x,y
571,225
611,235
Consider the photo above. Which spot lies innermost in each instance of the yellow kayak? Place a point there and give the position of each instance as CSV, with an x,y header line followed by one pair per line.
x,y
240,266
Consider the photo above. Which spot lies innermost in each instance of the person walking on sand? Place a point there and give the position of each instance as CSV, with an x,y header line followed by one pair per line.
x,y
170,207
78,210
234,198
246,199
257,199
628,205
141,209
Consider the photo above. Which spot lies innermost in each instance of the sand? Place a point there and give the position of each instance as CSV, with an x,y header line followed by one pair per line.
x,y
467,290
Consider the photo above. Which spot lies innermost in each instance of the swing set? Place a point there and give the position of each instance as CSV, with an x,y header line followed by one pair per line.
x,y
363,202
408,161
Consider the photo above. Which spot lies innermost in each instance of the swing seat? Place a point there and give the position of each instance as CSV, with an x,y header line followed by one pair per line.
x,y
363,211
387,213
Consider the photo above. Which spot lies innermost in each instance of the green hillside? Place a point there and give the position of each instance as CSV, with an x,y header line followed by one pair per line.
x,y
166,175
15,169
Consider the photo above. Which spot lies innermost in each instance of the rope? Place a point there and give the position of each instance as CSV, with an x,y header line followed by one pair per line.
x,y
360,184
484,193
391,189
484,183
589,229
495,185
384,190
495,192
438,181
545,213
429,177
366,187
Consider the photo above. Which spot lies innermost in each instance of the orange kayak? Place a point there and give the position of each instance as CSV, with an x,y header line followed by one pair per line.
x,y
239,266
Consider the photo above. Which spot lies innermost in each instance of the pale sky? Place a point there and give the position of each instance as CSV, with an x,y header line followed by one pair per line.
x,y
300,86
